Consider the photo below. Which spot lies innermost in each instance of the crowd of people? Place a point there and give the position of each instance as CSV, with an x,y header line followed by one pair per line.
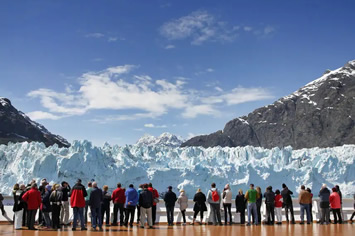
x,y
53,202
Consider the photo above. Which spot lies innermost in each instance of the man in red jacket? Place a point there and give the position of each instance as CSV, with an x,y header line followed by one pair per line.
x,y
118,198
33,199
77,202
155,196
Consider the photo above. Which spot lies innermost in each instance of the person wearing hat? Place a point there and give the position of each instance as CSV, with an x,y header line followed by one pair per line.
x,y
183,202
46,206
33,199
287,203
56,202
77,202
170,199
64,212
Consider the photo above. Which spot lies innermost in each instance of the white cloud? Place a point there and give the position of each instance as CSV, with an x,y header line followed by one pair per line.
x,y
42,115
95,35
268,30
210,70
247,28
199,27
137,97
170,46
155,126
112,39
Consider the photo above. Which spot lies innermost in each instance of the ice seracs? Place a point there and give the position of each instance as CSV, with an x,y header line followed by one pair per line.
x,y
165,139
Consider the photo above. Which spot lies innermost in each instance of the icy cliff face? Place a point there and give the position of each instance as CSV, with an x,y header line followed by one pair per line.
x,y
165,139
189,168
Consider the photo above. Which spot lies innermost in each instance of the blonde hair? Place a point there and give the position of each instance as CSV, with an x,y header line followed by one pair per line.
x,y
198,190
105,187
240,191
258,189
16,187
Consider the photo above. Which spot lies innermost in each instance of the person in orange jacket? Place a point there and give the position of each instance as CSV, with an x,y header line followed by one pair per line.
x,y
33,199
335,204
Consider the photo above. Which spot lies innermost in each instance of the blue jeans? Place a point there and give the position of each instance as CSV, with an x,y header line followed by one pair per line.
x,y
252,210
305,207
78,213
96,217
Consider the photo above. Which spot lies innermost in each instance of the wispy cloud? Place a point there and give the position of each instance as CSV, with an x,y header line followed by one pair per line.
x,y
155,126
170,46
136,97
42,115
199,27
112,39
95,35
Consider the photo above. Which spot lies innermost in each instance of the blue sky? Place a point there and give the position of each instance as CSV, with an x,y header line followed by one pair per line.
x,y
115,70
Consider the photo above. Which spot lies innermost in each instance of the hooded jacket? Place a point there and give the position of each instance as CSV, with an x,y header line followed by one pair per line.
x,y
183,201
209,196
77,196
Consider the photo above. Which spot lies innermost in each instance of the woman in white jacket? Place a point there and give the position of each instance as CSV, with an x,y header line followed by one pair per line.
x,y
183,202
227,204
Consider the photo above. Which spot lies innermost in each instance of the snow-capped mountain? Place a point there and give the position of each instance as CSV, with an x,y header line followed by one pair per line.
x,y
320,114
165,139
188,168
15,126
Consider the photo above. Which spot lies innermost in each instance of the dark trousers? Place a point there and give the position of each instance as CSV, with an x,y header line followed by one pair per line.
x,y
352,216
31,217
138,213
96,219
3,212
227,207
258,209
116,207
216,214
55,216
183,215
105,209
289,207
154,213
336,212
270,213
78,214
40,218
201,215
24,216
170,214
242,216
310,210
129,213
86,212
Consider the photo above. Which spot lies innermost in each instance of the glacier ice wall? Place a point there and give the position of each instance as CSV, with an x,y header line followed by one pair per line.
x,y
189,168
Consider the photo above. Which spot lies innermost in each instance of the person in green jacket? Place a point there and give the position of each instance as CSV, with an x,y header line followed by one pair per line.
x,y
87,199
251,196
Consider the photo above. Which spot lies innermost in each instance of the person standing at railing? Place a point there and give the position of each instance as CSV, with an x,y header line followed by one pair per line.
x,y
200,206
341,201
304,199
18,204
146,203
118,198
310,205
130,205
140,189
155,201
33,199
251,196
56,202
269,196
183,202
64,213
324,195
352,216
240,203
95,207
213,198
259,201
77,202
335,204
278,206
87,199
105,205
227,204
170,199
287,203
46,207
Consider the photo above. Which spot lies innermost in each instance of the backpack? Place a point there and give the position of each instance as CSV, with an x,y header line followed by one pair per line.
x,y
215,196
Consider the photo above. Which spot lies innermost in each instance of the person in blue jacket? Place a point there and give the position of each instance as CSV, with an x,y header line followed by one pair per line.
x,y
130,205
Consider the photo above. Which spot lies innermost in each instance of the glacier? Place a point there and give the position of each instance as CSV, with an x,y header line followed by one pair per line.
x,y
188,168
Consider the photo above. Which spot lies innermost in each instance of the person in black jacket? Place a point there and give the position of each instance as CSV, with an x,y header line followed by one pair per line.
x,y
46,206
18,192
146,203
240,203
324,195
259,201
96,198
64,213
269,196
352,216
287,203
105,205
42,190
56,202
170,199
200,205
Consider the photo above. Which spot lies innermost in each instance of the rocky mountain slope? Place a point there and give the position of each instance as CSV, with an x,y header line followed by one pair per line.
x,y
320,114
15,126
